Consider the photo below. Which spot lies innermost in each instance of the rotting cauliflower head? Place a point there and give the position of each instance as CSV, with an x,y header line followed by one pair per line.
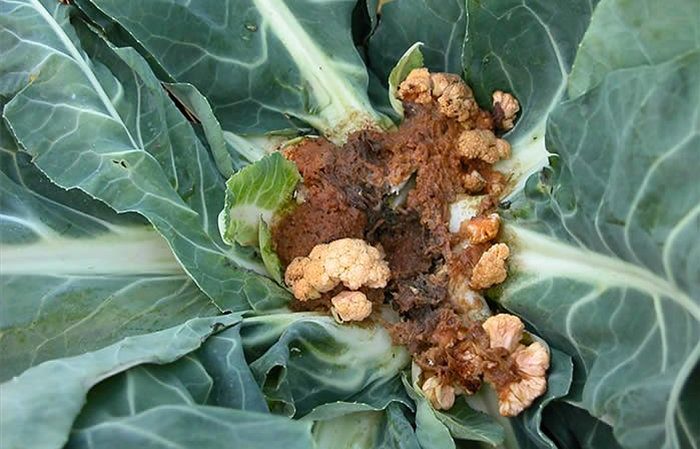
x,y
505,331
454,98
417,87
482,144
526,382
350,306
505,108
481,229
491,267
352,262
441,395
531,364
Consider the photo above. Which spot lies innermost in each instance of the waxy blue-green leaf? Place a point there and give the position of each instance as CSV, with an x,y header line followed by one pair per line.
x,y
54,392
105,126
397,431
74,275
117,35
216,374
305,360
197,105
143,387
625,34
606,255
430,431
233,384
377,397
254,194
230,151
604,244
570,426
437,429
259,61
525,48
206,427
367,430
372,8
439,24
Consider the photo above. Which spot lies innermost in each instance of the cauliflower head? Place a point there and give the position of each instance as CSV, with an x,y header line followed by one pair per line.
x,y
531,364
441,395
350,306
504,330
483,228
491,267
352,262
482,144
505,108
453,97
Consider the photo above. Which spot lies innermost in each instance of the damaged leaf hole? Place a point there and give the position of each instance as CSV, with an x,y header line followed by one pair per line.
x,y
120,162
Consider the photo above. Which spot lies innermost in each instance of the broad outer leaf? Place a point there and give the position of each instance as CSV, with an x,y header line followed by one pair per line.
x,y
117,35
439,24
258,61
230,151
304,360
606,254
430,432
436,429
367,430
112,132
633,33
143,387
398,433
465,423
216,374
377,397
198,106
74,275
525,47
233,383
571,426
196,426
53,393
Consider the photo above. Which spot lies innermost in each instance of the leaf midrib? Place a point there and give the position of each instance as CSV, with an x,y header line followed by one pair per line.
x,y
535,252
345,106
131,251
77,58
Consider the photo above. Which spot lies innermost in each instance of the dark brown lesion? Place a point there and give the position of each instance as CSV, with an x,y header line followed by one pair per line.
x,y
347,192
421,292
325,213
458,353
409,246
346,188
